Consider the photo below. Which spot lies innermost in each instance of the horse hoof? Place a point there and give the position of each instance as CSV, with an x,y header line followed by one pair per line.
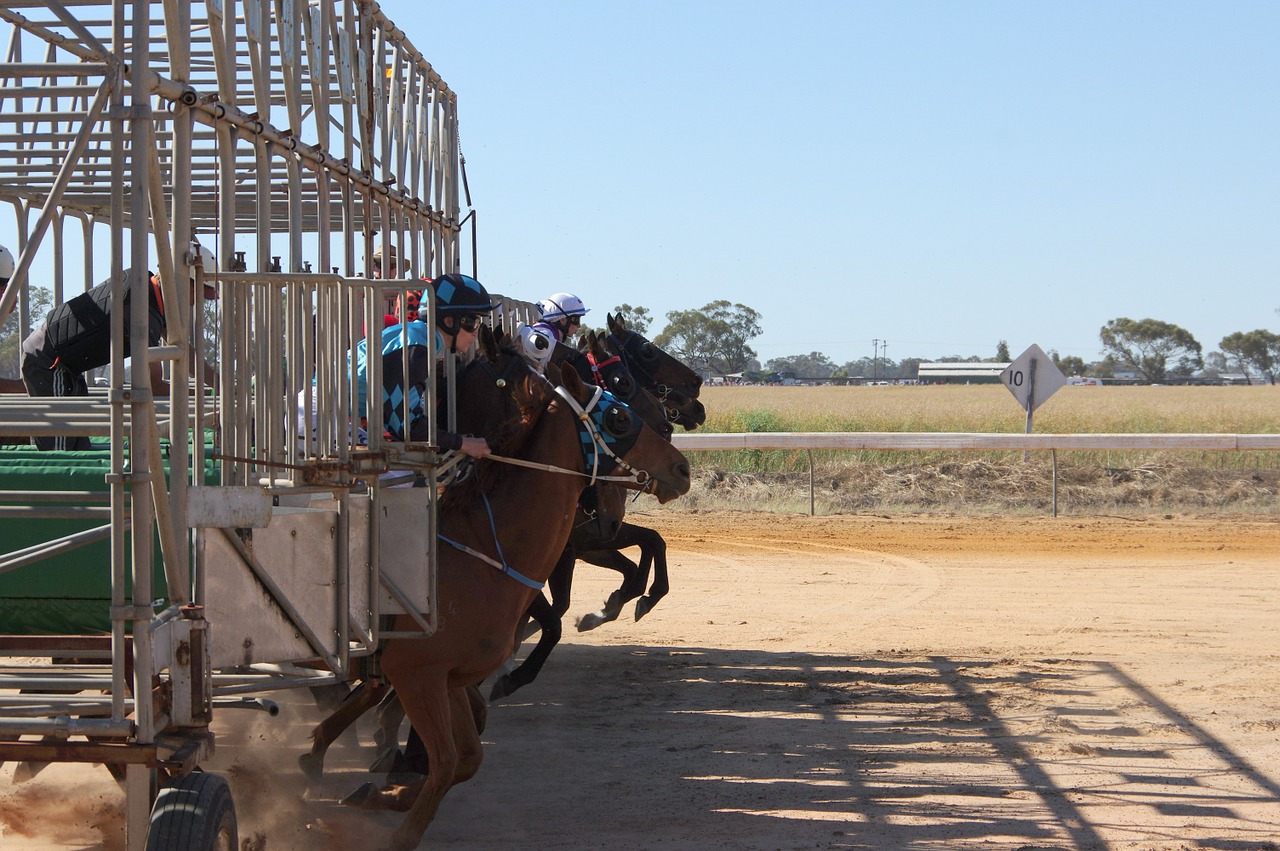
x,y
312,766
362,797
643,606
501,688
590,621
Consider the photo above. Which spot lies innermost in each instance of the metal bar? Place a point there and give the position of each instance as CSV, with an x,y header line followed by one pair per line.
x,y
62,512
56,69
27,254
55,496
63,726
79,646
58,546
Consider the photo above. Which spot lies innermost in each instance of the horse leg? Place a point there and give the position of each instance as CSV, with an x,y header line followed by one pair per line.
x,y
362,699
390,714
527,671
632,586
414,759
560,582
653,550
444,718
479,708
456,753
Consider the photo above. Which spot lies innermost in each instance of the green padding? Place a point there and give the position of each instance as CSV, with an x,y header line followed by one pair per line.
x,y
71,592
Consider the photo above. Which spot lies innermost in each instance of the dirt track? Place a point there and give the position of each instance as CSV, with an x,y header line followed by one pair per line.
x,y
859,682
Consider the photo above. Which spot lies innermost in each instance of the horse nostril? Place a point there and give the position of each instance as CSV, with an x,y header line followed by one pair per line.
x,y
683,470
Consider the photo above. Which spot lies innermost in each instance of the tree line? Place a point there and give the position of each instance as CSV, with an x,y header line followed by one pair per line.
x,y
715,340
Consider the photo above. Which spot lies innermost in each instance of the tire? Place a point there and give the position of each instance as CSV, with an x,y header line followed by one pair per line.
x,y
196,813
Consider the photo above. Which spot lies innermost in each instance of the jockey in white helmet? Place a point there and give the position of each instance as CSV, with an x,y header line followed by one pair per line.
x,y
560,316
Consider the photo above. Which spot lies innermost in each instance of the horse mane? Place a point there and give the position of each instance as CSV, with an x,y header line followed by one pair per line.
x,y
510,436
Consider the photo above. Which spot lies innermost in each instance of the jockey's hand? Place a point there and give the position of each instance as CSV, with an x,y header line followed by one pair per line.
x,y
476,447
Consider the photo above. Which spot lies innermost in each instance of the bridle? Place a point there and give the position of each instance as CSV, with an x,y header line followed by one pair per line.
x,y
595,437
635,360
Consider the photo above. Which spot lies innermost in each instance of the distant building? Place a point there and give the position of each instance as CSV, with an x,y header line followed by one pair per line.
x,y
960,372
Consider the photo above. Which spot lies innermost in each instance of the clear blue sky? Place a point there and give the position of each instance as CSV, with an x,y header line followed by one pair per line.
x,y
938,175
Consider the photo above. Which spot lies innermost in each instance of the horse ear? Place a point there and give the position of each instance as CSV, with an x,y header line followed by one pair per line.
x,y
614,323
571,381
488,343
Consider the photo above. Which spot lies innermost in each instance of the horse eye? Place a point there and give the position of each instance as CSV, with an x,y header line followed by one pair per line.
x,y
647,352
617,421
622,387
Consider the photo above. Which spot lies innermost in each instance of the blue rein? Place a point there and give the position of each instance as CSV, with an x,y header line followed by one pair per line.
x,y
502,566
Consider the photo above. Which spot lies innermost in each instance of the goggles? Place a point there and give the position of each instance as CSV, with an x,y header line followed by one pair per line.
x,y
470,322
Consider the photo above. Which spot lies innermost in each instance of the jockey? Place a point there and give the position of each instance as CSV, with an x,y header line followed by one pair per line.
x,y
76,337
560,317
462,304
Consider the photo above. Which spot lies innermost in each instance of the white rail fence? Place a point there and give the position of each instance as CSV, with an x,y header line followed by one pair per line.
x,y
954,441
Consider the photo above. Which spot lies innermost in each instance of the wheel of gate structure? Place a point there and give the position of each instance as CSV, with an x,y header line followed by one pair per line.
x,y
195,813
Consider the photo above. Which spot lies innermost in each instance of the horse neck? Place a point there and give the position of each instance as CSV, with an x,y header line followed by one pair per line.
x,y
533,510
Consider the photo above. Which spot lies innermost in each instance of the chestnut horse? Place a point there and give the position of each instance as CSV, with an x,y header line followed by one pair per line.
x,y
516,519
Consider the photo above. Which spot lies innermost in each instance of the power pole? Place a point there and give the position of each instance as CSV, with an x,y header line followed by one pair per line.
x,y
875,350
884,353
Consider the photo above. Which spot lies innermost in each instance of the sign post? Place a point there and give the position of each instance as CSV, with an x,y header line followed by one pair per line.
x,y
1032,378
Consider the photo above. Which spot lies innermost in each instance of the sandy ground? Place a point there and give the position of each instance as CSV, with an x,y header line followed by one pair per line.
x,y
843,682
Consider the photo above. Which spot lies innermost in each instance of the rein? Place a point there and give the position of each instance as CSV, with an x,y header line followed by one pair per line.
x,y
502,566
639,477
599,444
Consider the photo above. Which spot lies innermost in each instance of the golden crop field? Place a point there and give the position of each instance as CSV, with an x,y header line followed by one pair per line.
x,y
991,408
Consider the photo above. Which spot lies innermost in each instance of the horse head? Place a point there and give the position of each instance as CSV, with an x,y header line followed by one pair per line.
x,y
596,364
500,397
674,384
619,438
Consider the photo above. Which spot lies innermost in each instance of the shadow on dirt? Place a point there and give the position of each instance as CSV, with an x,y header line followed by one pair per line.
x,y
693,748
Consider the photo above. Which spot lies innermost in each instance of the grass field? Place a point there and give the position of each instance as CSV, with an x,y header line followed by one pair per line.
x,y
985,481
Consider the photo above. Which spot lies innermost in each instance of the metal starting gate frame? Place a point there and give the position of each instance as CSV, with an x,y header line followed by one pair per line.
x,y
291,139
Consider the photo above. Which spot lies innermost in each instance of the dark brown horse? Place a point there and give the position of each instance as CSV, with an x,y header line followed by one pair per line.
x,y
672,382
600,509
530,508
599,539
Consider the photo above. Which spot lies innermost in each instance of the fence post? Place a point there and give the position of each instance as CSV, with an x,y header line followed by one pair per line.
x,y
809,452
1054,453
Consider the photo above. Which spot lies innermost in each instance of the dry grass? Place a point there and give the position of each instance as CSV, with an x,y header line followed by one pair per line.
x,y
991,408
972,482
